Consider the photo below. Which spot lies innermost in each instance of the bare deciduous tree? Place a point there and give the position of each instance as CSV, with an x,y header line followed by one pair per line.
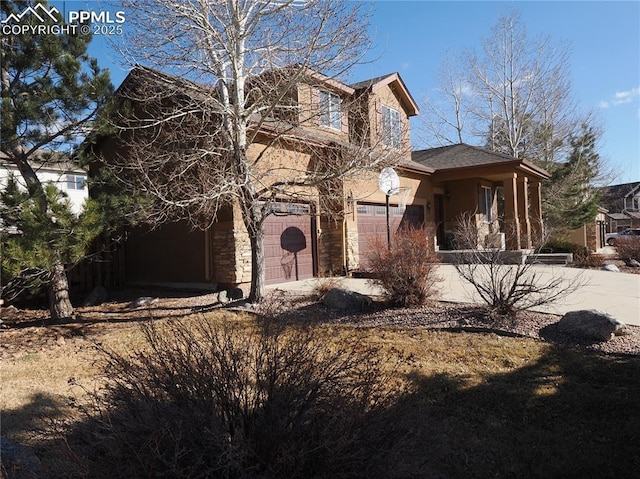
x,y
217,129
507,286
519,102
445,114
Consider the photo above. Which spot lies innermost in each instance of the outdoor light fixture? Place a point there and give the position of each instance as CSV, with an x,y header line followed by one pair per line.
x,y
429,205
447,195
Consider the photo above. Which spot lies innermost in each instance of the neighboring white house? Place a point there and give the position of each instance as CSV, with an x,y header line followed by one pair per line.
x,y
69,179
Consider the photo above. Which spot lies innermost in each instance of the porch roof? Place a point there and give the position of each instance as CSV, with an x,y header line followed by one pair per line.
x,y
463,156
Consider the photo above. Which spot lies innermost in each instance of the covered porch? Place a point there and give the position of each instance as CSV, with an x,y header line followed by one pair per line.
x,y
501,195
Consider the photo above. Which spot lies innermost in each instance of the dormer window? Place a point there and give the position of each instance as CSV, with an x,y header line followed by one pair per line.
x,y
330,115
391,127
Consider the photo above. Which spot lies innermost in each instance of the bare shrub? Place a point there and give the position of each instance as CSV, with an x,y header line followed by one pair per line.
x,y
407,270
588,260
505,285
219,399
628,249
323,285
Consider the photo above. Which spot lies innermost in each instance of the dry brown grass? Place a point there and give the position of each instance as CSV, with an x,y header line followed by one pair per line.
x,y
494,405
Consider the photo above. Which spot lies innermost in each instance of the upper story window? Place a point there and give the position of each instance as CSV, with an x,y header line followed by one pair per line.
x,y
391,127
75,182
330,110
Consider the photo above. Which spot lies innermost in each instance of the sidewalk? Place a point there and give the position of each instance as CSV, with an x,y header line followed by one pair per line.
x,y
615,293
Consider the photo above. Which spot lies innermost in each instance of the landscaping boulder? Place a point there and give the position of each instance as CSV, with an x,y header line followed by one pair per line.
x,y
591,324
632,263
142,301
235,293
611,267
346,300
223,297
96,297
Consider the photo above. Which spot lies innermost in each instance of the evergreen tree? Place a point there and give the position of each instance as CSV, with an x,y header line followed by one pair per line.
x,y
572,198
51,90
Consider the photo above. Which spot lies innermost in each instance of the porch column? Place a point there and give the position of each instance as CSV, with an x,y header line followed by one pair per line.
x,y
523,212
511,221
535,214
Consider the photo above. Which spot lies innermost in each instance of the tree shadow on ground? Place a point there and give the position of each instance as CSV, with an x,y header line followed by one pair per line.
x,y
569,413
25,430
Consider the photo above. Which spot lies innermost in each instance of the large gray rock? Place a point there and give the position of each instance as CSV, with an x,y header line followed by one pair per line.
x,y
142,301
344,299
96,297
591,324
632,263
611,267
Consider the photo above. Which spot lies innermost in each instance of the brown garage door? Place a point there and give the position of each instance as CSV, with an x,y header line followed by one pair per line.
x,y
372,223
288,243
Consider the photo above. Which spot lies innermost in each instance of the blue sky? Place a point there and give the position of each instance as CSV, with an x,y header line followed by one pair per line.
x,y
412,37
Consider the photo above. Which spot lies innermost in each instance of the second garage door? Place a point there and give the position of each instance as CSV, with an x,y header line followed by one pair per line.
x,y
372,223
288,243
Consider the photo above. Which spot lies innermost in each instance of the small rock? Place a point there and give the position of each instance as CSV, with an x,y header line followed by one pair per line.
x,y
223,297
591,324
344,299
235,293
611,267
97,296
142,301
60,341
632,263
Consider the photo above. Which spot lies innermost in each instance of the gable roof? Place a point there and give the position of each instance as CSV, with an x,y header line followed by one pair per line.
x,y
466,156
45,160
612,197
396,83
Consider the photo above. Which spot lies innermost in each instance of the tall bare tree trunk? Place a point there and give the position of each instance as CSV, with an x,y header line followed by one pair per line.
x,y
58,290
258,282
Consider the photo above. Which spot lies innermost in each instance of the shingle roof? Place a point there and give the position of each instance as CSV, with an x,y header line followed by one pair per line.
x,y
611,197
367,83
465,156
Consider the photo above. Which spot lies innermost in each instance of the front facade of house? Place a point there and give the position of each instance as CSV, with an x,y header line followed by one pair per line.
x,y
68,178
622,203
327,231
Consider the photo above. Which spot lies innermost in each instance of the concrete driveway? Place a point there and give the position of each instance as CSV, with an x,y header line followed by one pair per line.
x,y
615,293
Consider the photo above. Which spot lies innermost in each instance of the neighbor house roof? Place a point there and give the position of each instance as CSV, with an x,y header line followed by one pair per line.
x,y
466,156
45,160
612,196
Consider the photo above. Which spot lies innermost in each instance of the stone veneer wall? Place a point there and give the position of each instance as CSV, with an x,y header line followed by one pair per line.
x,y
223,253
353,251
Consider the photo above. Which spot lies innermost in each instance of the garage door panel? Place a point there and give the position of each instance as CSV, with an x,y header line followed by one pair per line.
x,y
372,224
288,245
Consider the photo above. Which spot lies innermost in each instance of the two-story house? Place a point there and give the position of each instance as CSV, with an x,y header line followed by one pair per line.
x,y
622,203
326,230
54,168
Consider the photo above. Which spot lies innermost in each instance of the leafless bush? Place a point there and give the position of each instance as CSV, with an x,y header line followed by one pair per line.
x,y
588,260
208,398
505,284
323,285
628,249
407,270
